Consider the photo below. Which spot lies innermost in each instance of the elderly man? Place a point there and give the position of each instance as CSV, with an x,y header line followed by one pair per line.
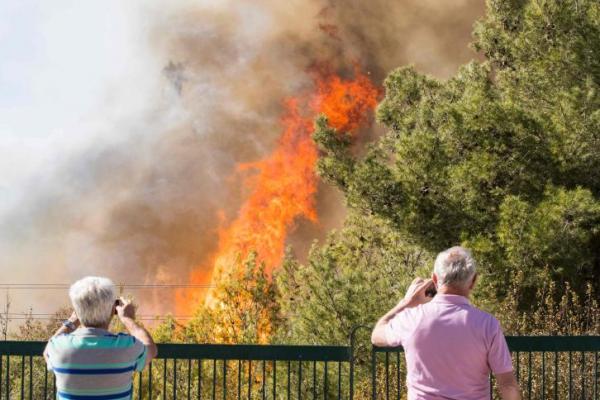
x,y
90,362
450,346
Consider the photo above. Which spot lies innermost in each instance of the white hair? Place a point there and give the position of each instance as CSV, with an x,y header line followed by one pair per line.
x,y
93,299
454,267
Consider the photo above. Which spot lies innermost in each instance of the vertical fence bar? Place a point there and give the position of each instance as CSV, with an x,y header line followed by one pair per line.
x,y
249,379
30,377
373,374
150,381
199,379
314,380
164,391
214,380
224,379
22,377
387,375
582,375
140,376
45,381
289,383
299,379
239,379
555,375
325,381
1,372
518,367
529,376
543,375
595,375
174,378
274,379
264,379
570,375
189,378
339,380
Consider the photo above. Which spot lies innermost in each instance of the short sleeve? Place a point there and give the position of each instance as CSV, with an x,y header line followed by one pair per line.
x,y
142,353
499,359
49,352
400,327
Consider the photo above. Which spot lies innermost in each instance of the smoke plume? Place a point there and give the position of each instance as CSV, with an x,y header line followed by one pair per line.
x,y
147,207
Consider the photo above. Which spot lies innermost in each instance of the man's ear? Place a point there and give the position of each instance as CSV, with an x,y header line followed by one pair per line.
x,y
473,281
434,278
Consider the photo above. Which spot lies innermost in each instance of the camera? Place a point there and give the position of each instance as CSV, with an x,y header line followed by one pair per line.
x,y
431,291
118,302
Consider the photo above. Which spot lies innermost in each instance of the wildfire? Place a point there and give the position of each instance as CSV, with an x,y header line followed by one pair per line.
x,y
283,185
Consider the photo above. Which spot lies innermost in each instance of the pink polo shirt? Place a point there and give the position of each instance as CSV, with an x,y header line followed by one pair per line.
x,y
450,348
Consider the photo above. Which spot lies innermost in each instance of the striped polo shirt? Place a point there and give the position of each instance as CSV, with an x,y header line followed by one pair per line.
x,y
94,364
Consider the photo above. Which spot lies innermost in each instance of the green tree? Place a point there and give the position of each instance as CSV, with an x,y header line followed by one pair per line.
x,y
359,270
503,158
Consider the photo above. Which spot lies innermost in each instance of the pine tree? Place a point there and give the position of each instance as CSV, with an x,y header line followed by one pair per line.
x,y
503,158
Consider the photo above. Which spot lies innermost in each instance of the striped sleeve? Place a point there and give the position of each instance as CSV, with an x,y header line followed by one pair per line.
x,y
142,353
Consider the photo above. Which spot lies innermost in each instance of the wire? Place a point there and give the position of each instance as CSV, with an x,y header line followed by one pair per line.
x,y
51,286
60,319
53,315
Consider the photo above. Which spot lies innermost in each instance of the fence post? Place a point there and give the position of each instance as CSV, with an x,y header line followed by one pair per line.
x,y
352,347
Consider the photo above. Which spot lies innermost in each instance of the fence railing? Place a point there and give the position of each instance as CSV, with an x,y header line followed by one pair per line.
x,y
547,368
200,371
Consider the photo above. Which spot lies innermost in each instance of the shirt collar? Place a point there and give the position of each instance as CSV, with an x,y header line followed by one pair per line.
x,y
450,299
91,332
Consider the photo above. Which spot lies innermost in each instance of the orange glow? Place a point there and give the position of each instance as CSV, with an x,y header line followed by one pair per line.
x,y
283,185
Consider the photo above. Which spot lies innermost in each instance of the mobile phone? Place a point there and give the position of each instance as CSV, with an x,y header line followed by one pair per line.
x,y
117,303
431,291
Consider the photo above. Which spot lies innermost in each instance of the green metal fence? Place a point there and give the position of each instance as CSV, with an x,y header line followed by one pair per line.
x,y
547,368
200,371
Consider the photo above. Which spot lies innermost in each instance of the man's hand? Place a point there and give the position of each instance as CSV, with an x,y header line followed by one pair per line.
x,y
74,319
126,312
508,386
415,295
125,309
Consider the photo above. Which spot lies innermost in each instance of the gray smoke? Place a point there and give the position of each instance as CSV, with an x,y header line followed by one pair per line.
x,y
145,208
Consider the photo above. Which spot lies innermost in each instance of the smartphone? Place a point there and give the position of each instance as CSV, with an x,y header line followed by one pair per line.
x,y
117,303
431,291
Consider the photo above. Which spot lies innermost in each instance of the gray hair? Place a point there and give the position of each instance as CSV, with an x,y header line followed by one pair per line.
x,y
93,299
454,267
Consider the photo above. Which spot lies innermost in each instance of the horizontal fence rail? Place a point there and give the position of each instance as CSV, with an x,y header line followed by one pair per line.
x,y
547,368
200,371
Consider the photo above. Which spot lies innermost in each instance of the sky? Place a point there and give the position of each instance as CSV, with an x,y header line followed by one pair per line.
x,y
61,62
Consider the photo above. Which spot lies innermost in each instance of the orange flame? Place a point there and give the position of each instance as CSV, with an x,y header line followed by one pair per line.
x,y
284,184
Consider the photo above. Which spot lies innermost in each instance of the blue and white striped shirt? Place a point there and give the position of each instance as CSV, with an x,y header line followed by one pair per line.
x,y
94,364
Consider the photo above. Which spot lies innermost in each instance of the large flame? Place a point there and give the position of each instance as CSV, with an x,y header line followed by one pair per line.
x,y
283,186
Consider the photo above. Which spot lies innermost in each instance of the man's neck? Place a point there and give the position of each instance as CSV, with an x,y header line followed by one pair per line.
x,y
105,327
455,291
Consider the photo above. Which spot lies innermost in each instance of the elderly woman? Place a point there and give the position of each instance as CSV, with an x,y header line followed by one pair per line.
x,y
450,346
90,362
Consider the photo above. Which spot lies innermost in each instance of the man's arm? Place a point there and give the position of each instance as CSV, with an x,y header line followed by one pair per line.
x,y
508,386
126,313
415,295
74,322
379,337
